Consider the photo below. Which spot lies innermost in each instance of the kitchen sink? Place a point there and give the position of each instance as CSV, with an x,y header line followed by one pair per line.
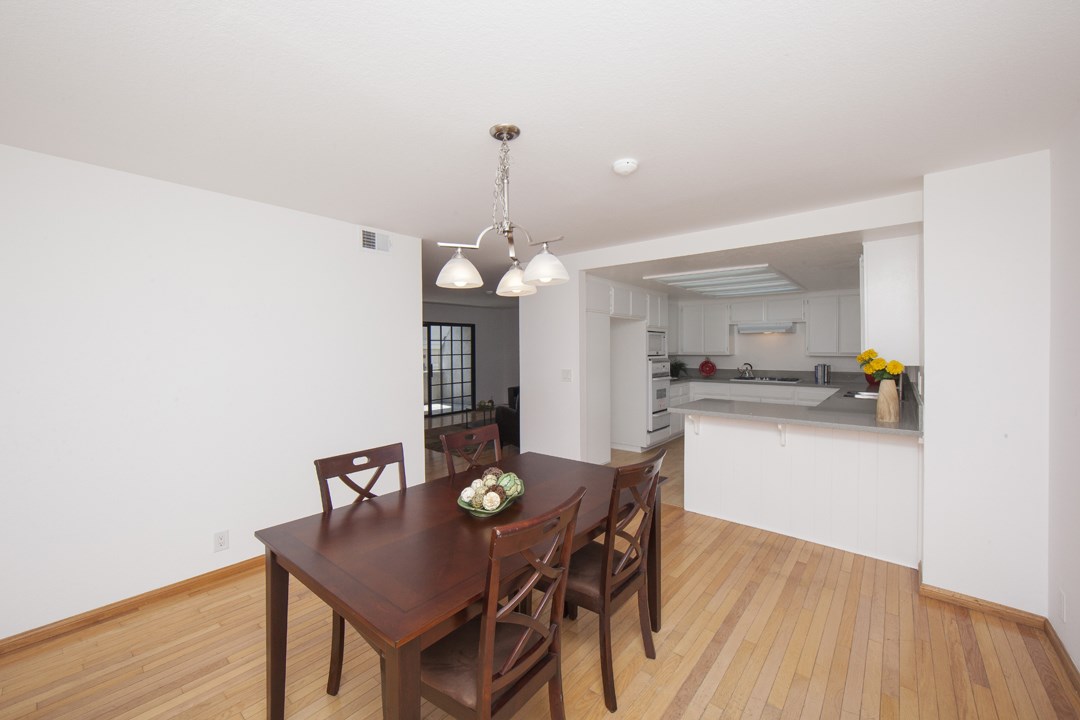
x,y
783,380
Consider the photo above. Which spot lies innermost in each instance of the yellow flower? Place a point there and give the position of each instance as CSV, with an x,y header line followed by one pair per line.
x,y
877,363
895,367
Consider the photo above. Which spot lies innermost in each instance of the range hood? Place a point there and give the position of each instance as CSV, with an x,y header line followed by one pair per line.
x,y
766,327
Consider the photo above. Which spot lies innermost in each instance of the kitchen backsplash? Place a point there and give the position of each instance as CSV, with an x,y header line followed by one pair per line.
x,y
778,351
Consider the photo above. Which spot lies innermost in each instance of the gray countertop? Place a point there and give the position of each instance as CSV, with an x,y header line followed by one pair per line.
x,y
837,411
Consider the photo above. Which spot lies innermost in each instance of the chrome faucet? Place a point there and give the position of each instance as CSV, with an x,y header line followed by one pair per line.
x,y
746,371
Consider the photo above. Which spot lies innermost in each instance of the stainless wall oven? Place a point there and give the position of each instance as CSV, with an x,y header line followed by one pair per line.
x,y
659,387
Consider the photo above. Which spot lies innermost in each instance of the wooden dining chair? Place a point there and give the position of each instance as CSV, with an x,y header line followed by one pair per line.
x,y
343,467
492,665
604,574
469,445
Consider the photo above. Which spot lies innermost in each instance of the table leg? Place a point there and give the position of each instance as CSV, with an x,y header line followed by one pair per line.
x,y
277,630
401,682
652,571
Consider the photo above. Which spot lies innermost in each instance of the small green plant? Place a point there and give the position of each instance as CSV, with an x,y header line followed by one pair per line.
x,y
678,367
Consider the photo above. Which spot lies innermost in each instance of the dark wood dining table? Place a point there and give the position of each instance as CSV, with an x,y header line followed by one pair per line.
x,y
406,568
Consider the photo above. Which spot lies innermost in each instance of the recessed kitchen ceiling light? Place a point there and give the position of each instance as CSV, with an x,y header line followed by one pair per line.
x,y
626,166
730,282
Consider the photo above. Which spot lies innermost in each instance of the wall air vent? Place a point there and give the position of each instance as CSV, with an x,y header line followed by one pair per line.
x,y
375,241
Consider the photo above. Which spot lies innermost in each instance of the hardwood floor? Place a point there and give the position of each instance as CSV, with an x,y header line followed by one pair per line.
x,y
755,625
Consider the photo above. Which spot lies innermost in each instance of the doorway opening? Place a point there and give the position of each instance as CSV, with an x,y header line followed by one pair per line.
x,y
449,361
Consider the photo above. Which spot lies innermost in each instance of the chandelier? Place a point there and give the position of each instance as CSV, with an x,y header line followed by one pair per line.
x,y
544,269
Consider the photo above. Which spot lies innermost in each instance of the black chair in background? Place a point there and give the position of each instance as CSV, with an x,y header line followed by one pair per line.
x,y
508,420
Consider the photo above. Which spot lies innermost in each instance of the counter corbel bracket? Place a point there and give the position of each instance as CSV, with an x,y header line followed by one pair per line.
x,y
693,420
783,434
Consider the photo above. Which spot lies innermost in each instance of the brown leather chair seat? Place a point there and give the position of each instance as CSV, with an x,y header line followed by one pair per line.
x,y
452,664
583,582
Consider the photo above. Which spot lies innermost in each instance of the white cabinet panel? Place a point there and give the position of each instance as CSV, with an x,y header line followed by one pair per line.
x,y
704,329
597,295
692,329
620,300
717,329
784,309
710,391
833,325
747,311
628,302
845,489
639,304
822,329
849,340
678,395
657,315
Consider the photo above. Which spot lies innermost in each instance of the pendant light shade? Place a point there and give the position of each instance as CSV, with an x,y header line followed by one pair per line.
x,y
458,273
513,284
545,269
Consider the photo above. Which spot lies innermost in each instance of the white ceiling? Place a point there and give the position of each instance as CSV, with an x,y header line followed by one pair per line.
x,y
378,112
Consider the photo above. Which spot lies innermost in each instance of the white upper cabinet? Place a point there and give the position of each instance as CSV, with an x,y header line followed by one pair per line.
x,y
850,340
628,302
691,329
747,311
704,328
833,325
717,320
784,309
639,304
657,315
597,295
616,299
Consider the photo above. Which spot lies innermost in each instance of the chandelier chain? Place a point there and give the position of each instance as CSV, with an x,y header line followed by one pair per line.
x,y
502,190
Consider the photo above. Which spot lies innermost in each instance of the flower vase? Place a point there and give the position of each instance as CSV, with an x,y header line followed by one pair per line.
x,y
888,402
871,380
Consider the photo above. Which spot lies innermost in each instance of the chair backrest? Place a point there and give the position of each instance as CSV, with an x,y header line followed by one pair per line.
x,y
512,394
521,555
470,445
630,514
342,466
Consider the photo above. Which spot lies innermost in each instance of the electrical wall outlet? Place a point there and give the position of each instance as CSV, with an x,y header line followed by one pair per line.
x,y
221,541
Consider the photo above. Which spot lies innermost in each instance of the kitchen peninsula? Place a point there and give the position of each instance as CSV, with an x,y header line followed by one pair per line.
x,y
807,461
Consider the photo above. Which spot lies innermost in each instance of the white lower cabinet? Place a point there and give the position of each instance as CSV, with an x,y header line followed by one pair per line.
x,y
857,491
679,394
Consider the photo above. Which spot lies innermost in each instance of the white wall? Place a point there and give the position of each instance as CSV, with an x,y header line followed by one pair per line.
x,y
986,265
1064,488
173,360
892,298
553,320
598,379
552,339
496,345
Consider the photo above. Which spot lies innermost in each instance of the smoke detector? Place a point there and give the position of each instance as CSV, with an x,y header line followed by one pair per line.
x,y
624,167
